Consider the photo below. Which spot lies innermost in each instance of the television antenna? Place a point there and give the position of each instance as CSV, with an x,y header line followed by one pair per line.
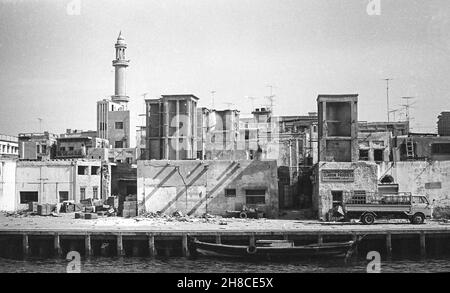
x,y
271,98
252,99
393,112
407,107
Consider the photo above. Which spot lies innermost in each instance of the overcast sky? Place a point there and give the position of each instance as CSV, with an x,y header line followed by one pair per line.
x,y
56,66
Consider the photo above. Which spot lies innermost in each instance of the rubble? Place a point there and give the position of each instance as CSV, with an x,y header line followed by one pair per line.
x,y
19,214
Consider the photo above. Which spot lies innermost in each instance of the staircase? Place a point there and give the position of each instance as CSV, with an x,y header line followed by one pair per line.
x,y
409,148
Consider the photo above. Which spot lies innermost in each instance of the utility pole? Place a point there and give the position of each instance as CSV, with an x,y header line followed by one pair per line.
x,y
387,96
212,99
40,124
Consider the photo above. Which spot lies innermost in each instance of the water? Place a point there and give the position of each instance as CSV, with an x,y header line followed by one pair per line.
x,y
211,265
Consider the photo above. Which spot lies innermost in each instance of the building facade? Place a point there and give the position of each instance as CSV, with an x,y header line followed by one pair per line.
x,y
171,127
338,128
374,146
74,145
37,146
9,146
56,181
443,124
7,184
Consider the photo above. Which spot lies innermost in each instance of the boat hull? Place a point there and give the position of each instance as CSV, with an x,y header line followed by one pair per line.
x,y
315,250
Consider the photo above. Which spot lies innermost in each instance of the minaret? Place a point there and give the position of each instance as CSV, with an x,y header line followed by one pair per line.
x,y
120,64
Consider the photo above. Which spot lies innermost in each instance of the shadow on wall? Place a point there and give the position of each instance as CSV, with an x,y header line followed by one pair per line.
x,y
195,188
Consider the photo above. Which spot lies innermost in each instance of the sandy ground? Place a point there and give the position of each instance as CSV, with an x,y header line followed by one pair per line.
x,y
67,222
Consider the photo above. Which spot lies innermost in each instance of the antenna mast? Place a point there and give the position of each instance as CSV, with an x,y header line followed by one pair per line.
x,y
387,96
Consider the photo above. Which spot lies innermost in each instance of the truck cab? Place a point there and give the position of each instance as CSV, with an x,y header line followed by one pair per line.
x,y
420,206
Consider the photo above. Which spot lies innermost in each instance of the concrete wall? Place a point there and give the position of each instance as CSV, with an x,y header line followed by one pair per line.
x,y
7,185
431,178
161,187
364,178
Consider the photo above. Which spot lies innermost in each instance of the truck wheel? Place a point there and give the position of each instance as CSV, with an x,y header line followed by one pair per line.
x,y
417,219
368,219
243,215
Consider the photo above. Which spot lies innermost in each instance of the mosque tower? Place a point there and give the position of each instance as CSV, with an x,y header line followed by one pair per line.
x,y
120,64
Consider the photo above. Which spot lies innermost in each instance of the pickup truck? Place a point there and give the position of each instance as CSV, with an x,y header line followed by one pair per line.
x,y
388,206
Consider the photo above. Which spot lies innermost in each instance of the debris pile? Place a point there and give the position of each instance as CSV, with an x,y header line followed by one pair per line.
x,y
19,214
178,216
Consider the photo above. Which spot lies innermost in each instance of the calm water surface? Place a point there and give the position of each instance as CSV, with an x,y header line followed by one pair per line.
x,y
211,265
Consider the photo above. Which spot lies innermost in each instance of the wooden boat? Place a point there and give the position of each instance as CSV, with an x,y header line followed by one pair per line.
x,y
275,248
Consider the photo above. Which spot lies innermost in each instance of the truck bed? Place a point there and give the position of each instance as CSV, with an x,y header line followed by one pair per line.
x,y
377,208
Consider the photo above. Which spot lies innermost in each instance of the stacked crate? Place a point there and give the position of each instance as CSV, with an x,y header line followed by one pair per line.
x,y
129,207
45,209
33,207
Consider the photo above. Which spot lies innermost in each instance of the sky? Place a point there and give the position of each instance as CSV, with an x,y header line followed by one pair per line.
x,y
55,63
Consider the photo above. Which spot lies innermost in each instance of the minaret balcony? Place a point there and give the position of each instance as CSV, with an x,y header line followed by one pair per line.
x,y
120,99
120,62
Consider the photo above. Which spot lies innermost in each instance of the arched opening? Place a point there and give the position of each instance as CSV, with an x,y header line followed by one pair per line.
x,y
387,179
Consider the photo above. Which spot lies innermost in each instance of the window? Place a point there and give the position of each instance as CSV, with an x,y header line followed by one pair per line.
x,y
119,125
230,192
95,170
70,148
62,149
44,148
378,155
83,170
387,179
118,144
247,134
82,193
63,195
337,197
95,192
28,196
440,148
38,149
255,196
363,155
